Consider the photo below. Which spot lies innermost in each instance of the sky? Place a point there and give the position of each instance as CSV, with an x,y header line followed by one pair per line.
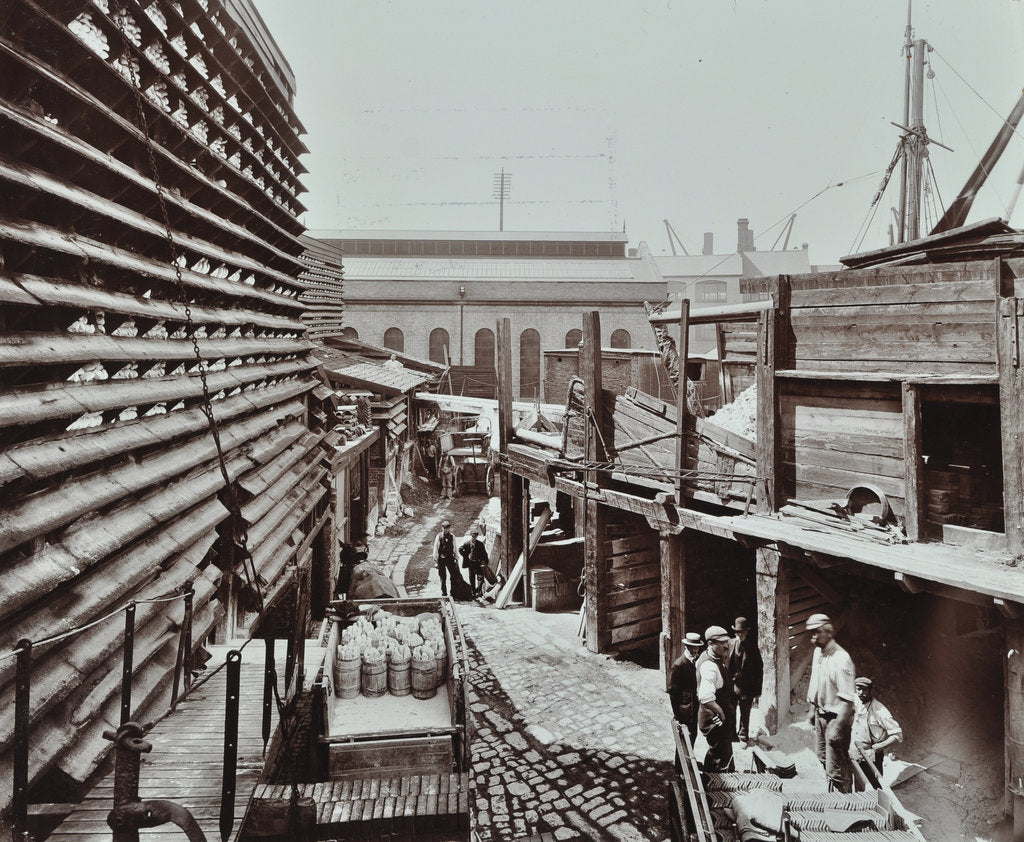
x,y
612,115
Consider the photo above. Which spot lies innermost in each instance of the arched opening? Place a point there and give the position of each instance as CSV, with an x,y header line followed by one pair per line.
x,y
483,348
349,333
573,338
394,339
438,343
529,364
620,338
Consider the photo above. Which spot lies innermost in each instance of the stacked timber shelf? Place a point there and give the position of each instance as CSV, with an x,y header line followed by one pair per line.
x,y
149,167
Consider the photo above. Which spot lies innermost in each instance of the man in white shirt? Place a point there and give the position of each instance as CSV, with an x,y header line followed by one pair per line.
x,y
874,730
831,694
716,717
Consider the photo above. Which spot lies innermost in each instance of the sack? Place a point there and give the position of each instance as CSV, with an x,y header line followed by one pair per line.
x,y
461,590
464,552
488,574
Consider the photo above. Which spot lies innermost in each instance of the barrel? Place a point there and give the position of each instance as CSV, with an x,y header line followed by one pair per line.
x,y
424,678
375,678
399,676
347,678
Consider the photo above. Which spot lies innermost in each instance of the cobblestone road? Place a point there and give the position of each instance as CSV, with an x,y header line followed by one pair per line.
x,y
565,742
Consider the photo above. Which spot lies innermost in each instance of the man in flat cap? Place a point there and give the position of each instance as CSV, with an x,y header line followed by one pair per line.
x,y
682,684
746,671
717,715
874,730
831,694
444,557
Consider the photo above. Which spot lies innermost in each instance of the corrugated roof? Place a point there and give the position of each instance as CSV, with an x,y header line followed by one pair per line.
x,y
390,381
484,268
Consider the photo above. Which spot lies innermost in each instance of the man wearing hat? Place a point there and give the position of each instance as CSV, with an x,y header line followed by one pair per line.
x,y
874,730
746,671
717,715
474,559
682,684
444,557
831,695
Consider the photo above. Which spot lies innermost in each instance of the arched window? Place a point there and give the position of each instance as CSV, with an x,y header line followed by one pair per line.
x,y
349,333
438,343
394,339
620,338
529,364
573,338
483,348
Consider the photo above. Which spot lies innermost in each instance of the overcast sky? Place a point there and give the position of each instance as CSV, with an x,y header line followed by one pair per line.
x,y
617,113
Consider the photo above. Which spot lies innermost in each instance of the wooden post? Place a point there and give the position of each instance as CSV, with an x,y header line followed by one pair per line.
x,y
772,584
1013,719
595,516
725,384
673,598
769,461
1009,335
511,485
913,482
682,409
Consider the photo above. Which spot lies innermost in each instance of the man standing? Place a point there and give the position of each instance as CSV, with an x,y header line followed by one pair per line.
x,y
874,730
682,684
447,470
474,558
717,713
746,670
831,695
444,557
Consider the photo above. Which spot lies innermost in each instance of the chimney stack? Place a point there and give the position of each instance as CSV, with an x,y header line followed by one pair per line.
x,y
709,243
744,236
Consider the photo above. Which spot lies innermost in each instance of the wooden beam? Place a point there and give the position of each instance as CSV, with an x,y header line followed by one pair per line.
x,y
769,456
510,484
710,315
673,598
682,410
911,584
772,583
914,512
1012,610
595,514
1009,334
1013,718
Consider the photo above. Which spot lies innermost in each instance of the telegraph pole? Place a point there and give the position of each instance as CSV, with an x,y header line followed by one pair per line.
x,y
502,190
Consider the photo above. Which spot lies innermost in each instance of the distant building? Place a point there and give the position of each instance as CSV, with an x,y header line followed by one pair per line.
x,y
713,279
439,295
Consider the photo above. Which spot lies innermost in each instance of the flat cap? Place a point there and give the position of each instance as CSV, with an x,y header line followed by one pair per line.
x,y
715,633
816,621
861,681
693,640
446,523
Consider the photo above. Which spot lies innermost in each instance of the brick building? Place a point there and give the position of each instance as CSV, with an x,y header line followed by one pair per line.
x,y
439,294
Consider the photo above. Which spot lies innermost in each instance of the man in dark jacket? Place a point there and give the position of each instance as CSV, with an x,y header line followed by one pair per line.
x,y
682,684
474,558
746,670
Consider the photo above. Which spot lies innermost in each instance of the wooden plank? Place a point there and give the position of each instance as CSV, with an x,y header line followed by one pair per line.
x,y
1009,337
630,543
635,614
965,290
886,348
631,559
632,576
634,631
863,463
682,460
768,410
914,489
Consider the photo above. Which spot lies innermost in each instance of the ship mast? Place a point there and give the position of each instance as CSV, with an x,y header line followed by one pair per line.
x,y
915,141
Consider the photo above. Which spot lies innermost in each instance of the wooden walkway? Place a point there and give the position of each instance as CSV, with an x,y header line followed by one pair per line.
x,y
185,765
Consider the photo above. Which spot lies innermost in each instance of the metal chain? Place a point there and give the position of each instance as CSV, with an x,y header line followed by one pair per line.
x,y
240,535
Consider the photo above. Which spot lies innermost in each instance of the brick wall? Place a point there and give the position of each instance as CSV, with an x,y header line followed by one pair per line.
x,y
552,323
